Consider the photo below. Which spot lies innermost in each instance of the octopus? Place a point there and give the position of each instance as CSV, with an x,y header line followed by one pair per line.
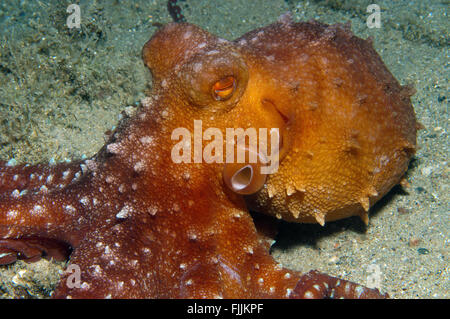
x,y
135,222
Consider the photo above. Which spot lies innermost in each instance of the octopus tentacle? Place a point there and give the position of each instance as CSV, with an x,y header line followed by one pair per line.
x,y
316,285
32,249
35,217
89,276
40,214
24,178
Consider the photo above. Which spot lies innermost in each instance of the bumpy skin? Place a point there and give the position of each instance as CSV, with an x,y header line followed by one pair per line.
x,y
141,226
351,125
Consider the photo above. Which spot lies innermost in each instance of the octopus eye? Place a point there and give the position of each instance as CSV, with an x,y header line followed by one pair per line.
x,y
214,80
223,89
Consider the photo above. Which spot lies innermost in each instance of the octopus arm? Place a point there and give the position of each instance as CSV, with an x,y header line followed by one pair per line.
x,y
109,263
25,178
44,221
316,285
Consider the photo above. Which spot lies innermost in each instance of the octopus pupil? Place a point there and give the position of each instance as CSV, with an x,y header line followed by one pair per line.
x,y
224,88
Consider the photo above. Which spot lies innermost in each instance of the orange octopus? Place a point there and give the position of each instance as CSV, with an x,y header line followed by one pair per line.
x,y
139,224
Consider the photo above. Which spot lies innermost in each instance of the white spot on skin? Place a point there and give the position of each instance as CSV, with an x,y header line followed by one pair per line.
x,y
165,114
212,52
332,294
242,42
84,168
146,140
65,174
359,291
192,236
187,34
92,165
197,67
134,262
97,270
49,178
152,211
37,209
109,179
12,162
237,215
347,289
114,148
249,250
308,295
15,193
12,214
43,189
84,200
77,176
139,166
124,212
288,292
70,209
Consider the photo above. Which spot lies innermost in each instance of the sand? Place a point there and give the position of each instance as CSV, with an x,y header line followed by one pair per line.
x,y
61,89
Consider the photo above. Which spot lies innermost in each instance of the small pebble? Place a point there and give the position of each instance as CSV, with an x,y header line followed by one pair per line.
x,y
420,189
413,242
403,210
426,171
333,259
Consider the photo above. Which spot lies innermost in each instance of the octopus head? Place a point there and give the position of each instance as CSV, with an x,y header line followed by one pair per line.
x,y
339,127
